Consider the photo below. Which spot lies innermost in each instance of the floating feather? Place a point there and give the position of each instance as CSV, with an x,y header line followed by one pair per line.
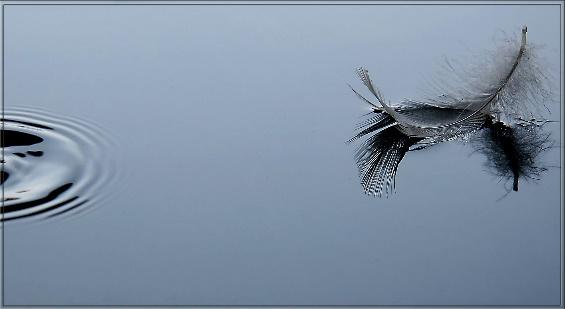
x,y
508,87
507,83
419,119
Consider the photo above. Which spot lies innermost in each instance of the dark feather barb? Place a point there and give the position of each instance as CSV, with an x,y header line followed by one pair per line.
x,y
377,117
378,159
373,125
363,98
366,79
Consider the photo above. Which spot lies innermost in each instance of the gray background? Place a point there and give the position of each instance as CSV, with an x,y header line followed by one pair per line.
x,y
236,185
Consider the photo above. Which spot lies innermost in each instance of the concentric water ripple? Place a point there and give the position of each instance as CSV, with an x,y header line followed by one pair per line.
x,y
52,165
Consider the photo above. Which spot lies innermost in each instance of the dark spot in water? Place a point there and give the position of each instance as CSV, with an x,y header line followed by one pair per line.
x,y
35,153
49,197
27,123
3,177
15,138
63,203
37,184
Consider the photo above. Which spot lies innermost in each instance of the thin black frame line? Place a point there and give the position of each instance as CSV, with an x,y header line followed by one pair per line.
x,y
508,2
2,167
562,101
285,306
315,2
74,2
134,2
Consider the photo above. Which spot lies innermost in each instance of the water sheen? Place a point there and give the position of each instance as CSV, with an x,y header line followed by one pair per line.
x,y
52,165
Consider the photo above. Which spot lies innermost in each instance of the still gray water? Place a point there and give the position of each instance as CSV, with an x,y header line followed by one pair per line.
x,y
196,155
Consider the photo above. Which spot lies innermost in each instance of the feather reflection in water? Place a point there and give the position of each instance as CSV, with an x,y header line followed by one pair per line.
x,y
513,152
378,157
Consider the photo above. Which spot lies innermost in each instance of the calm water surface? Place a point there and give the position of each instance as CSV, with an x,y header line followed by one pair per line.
x,y
196,155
